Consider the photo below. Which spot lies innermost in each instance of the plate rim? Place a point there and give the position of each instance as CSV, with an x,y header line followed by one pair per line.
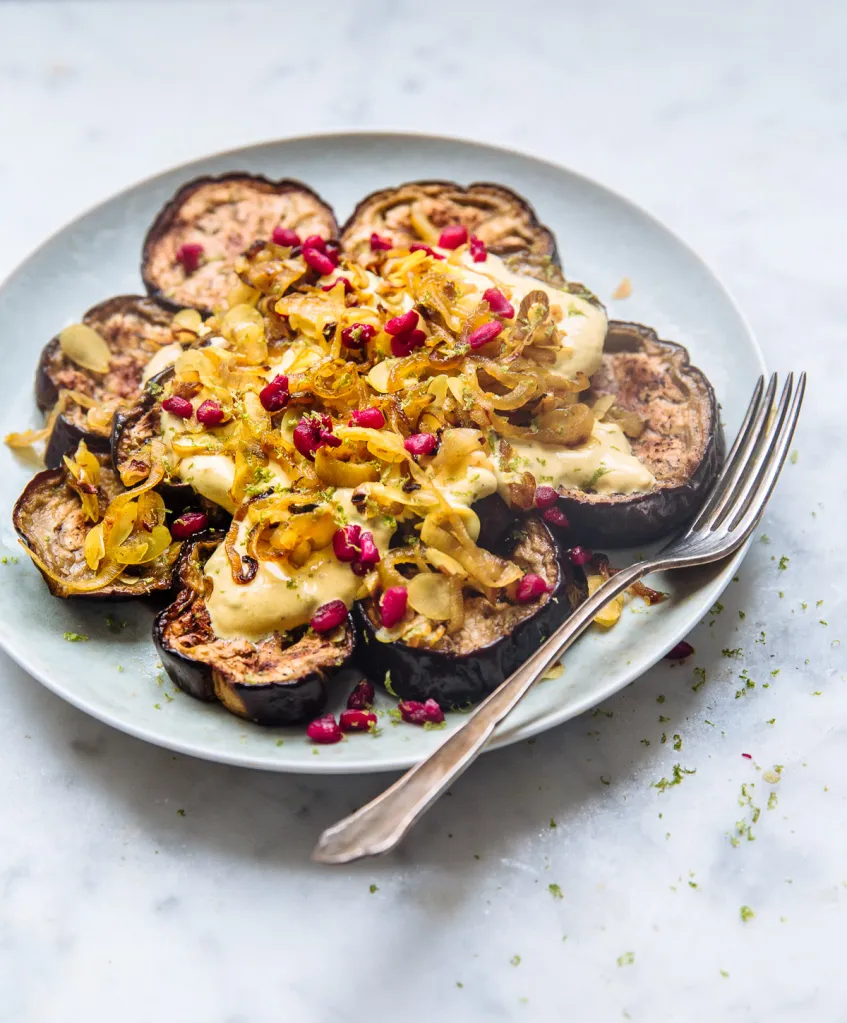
x,y
399,762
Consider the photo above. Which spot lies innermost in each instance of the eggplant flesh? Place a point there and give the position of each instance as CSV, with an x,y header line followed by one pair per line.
x,y
134,328
48,517
682,442
224,215
504,220
279,681
493,640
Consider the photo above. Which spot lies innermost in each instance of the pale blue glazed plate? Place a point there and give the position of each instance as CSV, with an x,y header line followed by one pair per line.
x,y
602,237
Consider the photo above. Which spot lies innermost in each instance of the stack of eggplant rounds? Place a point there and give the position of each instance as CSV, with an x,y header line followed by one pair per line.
x,y
188,260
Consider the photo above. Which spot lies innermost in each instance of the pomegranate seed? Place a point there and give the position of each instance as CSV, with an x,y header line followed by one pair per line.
x,y
747,756
177,406
313,431
378,242
357,334
318,261
454,236
274,396
189,255
188,524
417,713
324,730
345,543
314,241
362,696
370,418
680,651
580,555
369,551
556,517
210,413
333,251
425,248
498,303
405,344
482,335
402,324
545,497
530,588
357,720
329,616
421,444
392,606
285,236
478,249
348,287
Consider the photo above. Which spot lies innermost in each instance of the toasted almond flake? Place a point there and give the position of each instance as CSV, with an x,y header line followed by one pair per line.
x,y
85,347
624,289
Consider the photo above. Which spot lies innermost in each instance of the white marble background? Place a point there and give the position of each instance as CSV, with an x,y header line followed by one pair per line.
x,y
725,119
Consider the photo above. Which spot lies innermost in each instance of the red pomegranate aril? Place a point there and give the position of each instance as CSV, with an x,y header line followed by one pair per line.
x,y
479,253
682,650
357,720
188,524
498,303
379,242
328,437
369,552
556,517
427,249
402,324
357,334
210,413
421,444
392,606
453,236
274,396
362,696
417,713
329,616
580,555
177,406
311,432
545,497
314,241
285,236
348,287
482,335
325,730
405,344
345,543
318,261
369,418
189,255
530,588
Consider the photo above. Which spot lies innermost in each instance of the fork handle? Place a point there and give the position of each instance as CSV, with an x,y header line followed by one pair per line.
x,y
381,824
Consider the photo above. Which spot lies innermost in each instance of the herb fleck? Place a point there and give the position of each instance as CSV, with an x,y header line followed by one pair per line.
x,y
75,637
746,913
555,891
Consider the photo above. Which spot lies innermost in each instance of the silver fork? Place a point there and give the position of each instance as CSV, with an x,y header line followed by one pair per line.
x,y
726,520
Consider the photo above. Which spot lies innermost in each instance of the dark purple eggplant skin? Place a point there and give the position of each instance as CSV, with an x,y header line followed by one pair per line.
x,y
64,440
277,703
635,519
417,673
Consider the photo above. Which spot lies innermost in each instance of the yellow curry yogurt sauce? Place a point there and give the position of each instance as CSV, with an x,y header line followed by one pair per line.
x,y
281,597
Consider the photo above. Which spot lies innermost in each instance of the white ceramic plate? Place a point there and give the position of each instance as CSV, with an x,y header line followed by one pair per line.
x,y
602,237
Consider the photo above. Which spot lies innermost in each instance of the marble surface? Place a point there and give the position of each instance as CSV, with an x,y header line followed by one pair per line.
x,y
557,881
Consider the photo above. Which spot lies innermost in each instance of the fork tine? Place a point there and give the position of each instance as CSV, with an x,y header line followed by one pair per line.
x,y
745,483
736,462
750,504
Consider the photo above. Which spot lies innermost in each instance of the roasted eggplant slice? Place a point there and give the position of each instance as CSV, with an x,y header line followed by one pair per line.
x,y
223,216
681,442
48,517
280,681
493,641
417,211
134,328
